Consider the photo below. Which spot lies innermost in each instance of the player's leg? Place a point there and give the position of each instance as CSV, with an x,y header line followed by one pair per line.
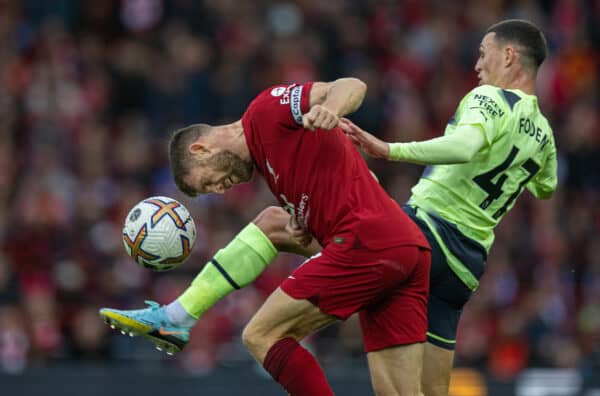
x,y
446,300
272,337
396,371
233,267
394,330
240,262
335,283
437,368
447,297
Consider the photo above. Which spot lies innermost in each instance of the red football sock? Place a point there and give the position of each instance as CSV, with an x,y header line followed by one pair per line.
x,y
296,369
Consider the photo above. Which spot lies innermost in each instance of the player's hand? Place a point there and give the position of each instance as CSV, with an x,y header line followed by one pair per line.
x,y
320,117
298,234
371,145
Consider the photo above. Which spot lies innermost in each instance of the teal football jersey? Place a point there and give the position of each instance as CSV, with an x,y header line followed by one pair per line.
x,y
519,152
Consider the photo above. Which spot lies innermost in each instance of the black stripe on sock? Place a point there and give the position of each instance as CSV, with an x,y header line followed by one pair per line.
x,y
225,274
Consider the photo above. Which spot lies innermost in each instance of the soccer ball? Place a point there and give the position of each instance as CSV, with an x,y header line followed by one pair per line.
x,y
159,233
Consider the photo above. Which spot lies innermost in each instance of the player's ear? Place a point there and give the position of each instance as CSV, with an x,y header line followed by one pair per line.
x,y
510,55
198,148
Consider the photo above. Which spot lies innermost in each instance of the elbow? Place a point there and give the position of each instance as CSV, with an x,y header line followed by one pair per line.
x,y
360,87
357,90
361,91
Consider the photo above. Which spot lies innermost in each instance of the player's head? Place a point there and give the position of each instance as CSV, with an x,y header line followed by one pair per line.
x,y
200,166
507,47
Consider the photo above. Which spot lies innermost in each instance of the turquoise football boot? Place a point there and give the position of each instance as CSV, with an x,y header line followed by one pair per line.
x,y
151,323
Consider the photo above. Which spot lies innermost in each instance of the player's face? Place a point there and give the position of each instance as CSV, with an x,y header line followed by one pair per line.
x,y
489,64
218,173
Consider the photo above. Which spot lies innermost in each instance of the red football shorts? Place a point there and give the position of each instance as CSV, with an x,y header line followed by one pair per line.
x,y
389,287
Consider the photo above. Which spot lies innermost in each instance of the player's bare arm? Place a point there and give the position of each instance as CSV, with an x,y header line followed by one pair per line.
x,y
331,100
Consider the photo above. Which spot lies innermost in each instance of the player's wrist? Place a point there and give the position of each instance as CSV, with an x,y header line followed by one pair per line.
x,y
386,150
395,151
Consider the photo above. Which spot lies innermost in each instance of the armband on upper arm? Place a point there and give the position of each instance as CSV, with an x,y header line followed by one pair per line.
x,y
296,103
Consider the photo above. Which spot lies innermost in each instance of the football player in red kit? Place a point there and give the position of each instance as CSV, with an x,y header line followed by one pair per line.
x,y
375,260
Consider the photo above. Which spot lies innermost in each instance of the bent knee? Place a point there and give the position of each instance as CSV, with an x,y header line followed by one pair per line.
x,y
256,337
257,341
250,337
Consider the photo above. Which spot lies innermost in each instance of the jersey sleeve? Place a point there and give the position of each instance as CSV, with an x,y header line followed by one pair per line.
x,y
545,181
458,147
484,108
282,105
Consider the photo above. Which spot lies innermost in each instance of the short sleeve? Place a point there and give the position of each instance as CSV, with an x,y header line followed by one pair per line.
x,y
283,105
484,108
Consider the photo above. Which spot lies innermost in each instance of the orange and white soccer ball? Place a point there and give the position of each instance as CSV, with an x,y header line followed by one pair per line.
x,y
159,233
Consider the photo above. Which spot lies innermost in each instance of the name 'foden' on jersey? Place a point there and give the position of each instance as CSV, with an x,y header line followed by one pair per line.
x,y
527,127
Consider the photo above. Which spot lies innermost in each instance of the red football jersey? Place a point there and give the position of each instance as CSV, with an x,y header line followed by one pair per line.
x,y
320,177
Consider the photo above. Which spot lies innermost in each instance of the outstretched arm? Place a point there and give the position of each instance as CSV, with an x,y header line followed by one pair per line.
x,y
331,100
457,148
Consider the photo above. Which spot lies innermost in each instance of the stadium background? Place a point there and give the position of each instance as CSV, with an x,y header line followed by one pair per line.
x,y
89,91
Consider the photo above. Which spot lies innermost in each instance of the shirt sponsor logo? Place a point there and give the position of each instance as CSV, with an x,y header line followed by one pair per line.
x,y
295,100
303,211
300,212
487,107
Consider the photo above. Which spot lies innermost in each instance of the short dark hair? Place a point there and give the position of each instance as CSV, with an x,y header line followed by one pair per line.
x,y
524,34
179,154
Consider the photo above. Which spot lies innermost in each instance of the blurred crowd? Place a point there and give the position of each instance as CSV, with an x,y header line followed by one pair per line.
x,y
90,90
